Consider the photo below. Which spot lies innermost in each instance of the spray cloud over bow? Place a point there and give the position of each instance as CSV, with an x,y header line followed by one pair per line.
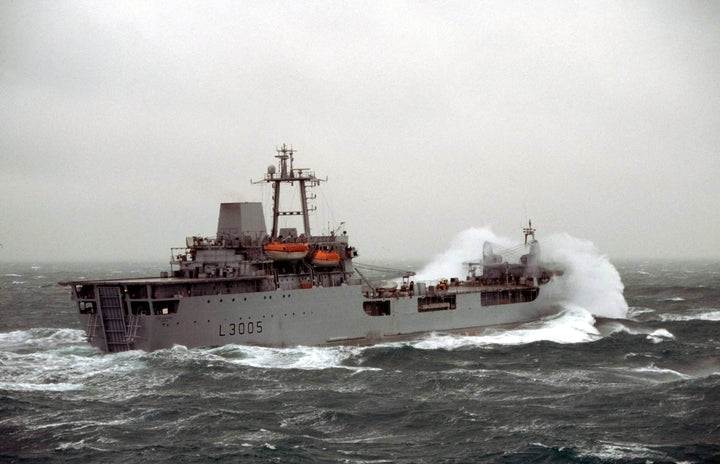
x,y
589,280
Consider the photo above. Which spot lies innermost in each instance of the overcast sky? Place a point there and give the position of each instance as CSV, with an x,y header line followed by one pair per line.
x,y
124,124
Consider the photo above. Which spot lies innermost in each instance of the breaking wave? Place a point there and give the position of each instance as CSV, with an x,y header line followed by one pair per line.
x,y
571,325
701,314
590,281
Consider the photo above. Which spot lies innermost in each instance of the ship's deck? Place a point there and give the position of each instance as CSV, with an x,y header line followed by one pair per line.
x,y
164,280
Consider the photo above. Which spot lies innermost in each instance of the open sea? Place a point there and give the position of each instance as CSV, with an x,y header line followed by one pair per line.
x,y
584,386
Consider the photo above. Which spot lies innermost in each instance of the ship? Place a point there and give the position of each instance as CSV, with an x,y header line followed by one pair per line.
x,y
290,288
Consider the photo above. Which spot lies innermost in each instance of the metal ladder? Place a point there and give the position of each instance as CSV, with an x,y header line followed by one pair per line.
x,y
92,324
113,319
132,328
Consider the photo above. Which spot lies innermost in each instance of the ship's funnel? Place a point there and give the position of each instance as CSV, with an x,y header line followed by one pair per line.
x,y
241,219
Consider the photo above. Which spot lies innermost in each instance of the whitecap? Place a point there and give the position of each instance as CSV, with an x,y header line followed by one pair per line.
x,y
34,387
41,338
11,341
299,357
660,335
700,314
302,357
622,452
657,371
634,312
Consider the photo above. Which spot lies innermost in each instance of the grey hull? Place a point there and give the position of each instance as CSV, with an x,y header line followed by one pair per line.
x,y
317,316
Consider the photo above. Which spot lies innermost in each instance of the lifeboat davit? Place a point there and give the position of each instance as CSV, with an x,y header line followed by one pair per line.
x,y
325,258
286,251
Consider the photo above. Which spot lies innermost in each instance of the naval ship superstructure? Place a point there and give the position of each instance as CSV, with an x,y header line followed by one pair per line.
x,y
245,286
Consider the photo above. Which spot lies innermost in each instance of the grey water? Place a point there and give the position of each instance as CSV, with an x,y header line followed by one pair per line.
x,y
574,388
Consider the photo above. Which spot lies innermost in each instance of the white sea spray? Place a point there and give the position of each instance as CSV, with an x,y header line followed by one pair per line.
x,y
589,279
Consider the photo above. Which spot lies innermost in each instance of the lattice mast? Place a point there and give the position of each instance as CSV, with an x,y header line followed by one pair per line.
x,y
529,232
288,174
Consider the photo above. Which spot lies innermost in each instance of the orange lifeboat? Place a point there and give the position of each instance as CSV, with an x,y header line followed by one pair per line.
x,y
325,258
286,251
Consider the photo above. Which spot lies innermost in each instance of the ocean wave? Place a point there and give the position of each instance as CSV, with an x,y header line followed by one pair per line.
x,y
44,359
29,387
303,358
635,312
614,326
40,339
590,280
622,452
659,373
700,314
572,324
660,335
